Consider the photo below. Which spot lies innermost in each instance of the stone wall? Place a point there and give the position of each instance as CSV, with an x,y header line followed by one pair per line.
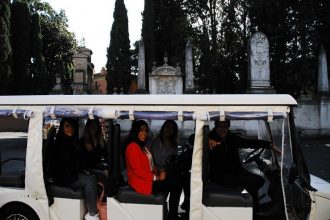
x,y
312,117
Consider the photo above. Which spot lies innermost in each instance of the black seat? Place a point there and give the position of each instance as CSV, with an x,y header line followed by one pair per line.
x,y
65,192
217,196
128,195
15,179
12,180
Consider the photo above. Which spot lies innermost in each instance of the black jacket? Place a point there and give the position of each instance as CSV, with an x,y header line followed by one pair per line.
x,y
66,160
224,158
92,159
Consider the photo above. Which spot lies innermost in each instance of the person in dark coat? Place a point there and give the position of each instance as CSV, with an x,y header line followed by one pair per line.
x,y
94,156
66,166
224,162
93,146
164,149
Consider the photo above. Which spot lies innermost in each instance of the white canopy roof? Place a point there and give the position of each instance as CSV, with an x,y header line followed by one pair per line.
x,y
169,100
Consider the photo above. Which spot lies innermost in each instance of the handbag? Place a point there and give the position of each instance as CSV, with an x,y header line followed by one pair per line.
x,y
101,206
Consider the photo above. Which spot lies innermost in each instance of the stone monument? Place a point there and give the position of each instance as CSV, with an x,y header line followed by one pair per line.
x,y
259,70
57,89
323,80
141,66
189,86
166,79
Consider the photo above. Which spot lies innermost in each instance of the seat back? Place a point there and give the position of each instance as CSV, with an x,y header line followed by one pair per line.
x,y
205,157
47,152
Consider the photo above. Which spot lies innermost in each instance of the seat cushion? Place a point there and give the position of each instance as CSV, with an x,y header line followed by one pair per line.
x,y
128,195
65,192
12,180
218,196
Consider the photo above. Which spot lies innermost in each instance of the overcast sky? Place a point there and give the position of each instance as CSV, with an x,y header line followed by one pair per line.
x,y
92,20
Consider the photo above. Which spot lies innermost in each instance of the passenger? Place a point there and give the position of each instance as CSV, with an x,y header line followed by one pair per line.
x,y
141,173
93,153
164,149
66,166
225,166
94,156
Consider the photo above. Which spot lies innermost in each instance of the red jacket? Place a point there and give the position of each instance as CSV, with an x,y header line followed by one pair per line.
x,y
140,177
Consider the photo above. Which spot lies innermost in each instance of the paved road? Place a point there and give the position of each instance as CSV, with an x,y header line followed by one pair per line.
x,y
317,154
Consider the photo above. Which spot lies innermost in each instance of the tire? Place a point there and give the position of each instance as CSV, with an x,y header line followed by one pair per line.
x,y
18,212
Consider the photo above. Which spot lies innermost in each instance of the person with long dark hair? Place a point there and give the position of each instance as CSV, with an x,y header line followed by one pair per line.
x,y
94,153
164,149
66,166
141,172
164,146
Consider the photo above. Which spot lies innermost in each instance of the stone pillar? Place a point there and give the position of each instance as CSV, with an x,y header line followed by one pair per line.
x,y
189,87
259,70
323,90
323,80
141,66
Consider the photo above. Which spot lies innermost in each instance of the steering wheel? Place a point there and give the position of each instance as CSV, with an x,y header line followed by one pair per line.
x,y
253,155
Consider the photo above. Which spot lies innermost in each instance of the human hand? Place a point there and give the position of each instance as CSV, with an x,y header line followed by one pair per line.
x,y
213,143
275,148
89,147
161,175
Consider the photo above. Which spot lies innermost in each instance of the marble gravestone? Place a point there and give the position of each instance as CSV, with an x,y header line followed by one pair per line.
x,y
141,66
323,80
166,79
259,70
189,86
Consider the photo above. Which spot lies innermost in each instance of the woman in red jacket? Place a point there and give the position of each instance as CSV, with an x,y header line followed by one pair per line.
x,y
139,163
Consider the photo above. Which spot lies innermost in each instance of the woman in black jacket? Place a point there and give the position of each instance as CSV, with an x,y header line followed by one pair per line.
x,y
66,166
94,153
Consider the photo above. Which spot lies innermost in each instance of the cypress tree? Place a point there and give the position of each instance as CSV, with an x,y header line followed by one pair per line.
x,y
37,67
118,54
164,29
148,27
21,44
171,31
5,47
206,78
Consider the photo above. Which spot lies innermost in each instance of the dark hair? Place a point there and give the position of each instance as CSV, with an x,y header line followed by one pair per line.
x,y
87,134
173,139
134,132
217,123
60,132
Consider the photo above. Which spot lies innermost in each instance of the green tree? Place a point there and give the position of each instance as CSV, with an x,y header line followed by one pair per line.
x,y
221,29
134,58
37,67
171,31
21,45
148,27
58,44
5,47
292,30
232,57
165,29
118,54
204,74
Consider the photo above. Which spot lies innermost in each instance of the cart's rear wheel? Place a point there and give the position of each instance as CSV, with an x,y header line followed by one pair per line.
x,y
18,212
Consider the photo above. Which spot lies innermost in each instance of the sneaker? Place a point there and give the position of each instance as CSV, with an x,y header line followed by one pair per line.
x,y
92,217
